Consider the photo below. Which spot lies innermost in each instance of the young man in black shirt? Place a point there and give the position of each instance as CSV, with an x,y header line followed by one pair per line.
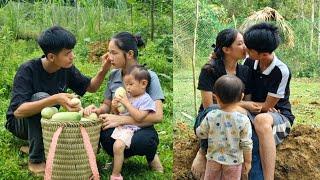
x,y
42,82
269,87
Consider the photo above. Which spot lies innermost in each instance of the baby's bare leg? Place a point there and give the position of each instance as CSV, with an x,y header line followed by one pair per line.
x,y
118,155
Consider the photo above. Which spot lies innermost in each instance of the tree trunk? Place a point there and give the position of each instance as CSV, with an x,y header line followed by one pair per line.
x,y
312,23
152,19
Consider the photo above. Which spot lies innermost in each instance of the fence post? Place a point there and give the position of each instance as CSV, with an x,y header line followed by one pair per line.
x,y
194,57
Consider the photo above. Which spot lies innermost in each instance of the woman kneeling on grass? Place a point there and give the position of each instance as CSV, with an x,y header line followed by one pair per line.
x,y
122,54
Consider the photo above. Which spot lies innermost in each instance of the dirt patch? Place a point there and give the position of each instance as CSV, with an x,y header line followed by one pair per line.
x,y
298,157
96,50
185,147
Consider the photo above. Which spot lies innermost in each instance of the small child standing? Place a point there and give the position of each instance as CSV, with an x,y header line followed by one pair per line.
x,y
228,131
138,104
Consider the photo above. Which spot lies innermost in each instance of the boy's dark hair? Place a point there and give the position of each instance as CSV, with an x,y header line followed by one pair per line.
x,y
126,42
229,89
56,38
262,37
140,72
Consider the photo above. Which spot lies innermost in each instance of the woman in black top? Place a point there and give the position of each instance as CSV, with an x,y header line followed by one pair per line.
x,y
228,50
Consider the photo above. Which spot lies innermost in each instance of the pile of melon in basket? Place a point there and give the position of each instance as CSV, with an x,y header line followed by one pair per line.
x,y
53,113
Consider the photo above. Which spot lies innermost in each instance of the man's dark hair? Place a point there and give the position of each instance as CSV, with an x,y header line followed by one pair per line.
x,y
262,37
140,72
229,89
56,38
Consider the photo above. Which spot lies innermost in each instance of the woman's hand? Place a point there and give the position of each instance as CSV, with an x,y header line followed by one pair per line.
x,y
114,103
110,121
114,106
273,110
207,99
90,109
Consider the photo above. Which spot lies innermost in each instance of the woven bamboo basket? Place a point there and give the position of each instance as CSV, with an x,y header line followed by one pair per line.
x,y
70,158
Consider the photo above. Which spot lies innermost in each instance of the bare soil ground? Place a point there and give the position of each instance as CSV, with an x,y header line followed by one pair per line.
x,y
298,157
96,50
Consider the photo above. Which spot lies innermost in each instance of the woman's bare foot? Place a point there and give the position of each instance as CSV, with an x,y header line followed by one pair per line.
x,y
199,165
156,165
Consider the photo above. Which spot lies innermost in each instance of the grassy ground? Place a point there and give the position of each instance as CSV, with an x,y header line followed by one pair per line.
x,y
305,98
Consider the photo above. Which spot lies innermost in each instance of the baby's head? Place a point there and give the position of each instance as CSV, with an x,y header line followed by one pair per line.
x,y
228,89
137,80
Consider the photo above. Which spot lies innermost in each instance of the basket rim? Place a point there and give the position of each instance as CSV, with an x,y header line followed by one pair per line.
x,y
50,122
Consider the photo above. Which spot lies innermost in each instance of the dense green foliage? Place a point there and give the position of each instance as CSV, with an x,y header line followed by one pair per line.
x,y
91,22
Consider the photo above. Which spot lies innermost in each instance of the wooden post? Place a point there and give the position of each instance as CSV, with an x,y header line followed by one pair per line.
x,y
312,23
194,57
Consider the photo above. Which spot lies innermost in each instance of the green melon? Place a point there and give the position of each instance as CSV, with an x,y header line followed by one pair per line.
x,y
66,116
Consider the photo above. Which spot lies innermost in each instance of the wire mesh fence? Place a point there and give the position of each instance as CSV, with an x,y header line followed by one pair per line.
x,y
300,48
211,19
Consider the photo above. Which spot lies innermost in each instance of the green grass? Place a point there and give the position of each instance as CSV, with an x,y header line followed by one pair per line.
x,y
305,98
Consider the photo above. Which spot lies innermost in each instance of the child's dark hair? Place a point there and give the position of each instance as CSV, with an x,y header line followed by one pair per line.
x,y
225,38
140,72
56,38
229,89
262,37
126,42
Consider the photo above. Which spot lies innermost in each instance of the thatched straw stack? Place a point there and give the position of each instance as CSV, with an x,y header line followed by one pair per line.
x,y
269,14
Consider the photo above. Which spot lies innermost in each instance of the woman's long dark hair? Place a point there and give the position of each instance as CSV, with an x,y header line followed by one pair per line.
x,y
225,38
126,42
